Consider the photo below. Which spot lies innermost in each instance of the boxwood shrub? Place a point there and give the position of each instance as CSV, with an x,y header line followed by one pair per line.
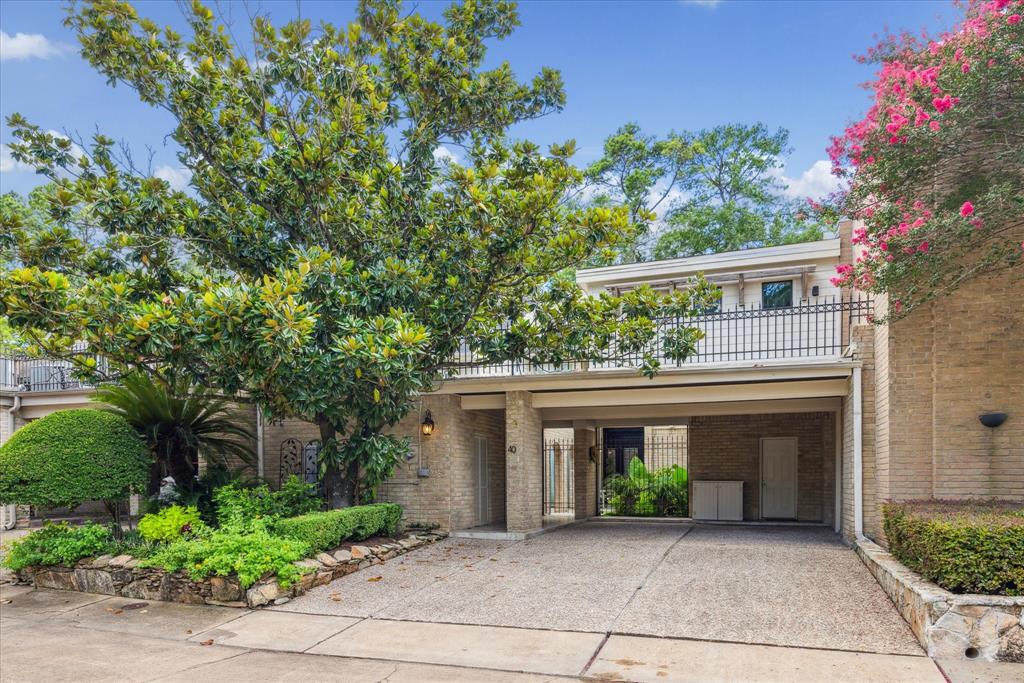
x,y
324,530
72,456
965,547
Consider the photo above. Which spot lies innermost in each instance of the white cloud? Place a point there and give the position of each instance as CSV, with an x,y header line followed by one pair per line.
x,y
24,46
8,164
710,4
443,155
816,182
177,178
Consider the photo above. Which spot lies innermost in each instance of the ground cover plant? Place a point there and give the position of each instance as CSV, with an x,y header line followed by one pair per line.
x,y
257,532
964,546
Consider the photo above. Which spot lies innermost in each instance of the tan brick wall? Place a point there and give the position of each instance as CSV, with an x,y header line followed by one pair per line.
x,y
585,473
446,496
949,362
523,434
727,447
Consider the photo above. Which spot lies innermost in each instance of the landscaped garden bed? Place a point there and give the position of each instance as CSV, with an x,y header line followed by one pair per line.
x,y
955,571
254,547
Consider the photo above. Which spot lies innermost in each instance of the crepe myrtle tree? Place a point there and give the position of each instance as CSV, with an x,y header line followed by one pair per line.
x,y
322,263
936,166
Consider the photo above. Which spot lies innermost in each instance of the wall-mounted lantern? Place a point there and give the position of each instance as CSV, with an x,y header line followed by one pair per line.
x,y
992,419
427,426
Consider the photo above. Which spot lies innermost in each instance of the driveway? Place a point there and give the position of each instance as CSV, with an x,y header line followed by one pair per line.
x,y
790,586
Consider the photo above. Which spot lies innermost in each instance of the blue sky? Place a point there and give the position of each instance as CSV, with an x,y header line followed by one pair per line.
x,y
667,65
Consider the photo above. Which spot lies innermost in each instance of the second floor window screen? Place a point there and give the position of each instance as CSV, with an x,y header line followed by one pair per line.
x,y
777,294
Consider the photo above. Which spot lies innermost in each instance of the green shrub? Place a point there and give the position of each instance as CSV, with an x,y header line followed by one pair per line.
x,y
241,508
642,493
170,523
221,552
72,456
965,547
58,544
324,530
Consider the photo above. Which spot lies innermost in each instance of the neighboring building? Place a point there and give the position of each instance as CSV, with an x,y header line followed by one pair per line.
x,y
805,409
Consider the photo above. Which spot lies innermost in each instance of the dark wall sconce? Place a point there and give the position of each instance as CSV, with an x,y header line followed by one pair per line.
x,y
427,426
993,419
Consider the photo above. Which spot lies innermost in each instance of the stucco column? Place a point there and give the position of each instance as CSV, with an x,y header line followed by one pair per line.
x,y
584,472
523,463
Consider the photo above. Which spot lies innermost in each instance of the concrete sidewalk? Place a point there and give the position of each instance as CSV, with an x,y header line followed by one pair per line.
x,y
52,635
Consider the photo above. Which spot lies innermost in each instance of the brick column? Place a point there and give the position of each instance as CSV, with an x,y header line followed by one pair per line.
x,y
523,463
584,473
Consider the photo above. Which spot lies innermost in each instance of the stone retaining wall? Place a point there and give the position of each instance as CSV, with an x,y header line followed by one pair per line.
x,y
948,625
122,576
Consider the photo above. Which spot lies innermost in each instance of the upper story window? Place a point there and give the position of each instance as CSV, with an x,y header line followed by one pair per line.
x,y
778,294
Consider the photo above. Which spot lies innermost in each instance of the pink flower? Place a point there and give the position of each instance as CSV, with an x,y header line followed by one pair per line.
x,y
923,247
967,209
943,104
934,125
1013,19
965,67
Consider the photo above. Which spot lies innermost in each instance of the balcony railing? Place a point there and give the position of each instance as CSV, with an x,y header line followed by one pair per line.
x,y
751,333
23,373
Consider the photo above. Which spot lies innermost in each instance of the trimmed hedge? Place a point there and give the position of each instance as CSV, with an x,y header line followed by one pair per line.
x,y
72,456
965,547
325,530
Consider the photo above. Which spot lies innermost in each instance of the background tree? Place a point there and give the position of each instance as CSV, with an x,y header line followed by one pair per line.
x,y
734,198
639,172
936,166
180,424
322,261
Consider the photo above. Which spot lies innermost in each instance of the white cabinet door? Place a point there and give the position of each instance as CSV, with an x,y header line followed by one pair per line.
x,y
778,477
705,500
730,501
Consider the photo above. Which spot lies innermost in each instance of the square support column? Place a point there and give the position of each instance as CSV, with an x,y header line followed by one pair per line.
x,y
584,472
523,463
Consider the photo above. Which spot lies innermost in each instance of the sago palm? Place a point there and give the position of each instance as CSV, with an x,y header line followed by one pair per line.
x,y
181,423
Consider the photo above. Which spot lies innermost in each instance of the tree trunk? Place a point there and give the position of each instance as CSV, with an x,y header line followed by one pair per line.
x,y
339,483
181,469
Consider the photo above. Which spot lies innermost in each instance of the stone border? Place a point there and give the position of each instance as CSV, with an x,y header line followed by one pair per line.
x,y
948,625
122,576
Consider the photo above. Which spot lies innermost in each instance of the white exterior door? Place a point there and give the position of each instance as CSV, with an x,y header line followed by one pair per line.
x,y
778,478
480,481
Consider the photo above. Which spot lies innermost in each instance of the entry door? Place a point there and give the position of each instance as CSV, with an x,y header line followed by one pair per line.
x,y
778,478
621,445
480,488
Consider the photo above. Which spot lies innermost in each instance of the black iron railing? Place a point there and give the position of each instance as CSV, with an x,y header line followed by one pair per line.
x,y
737,334
23,373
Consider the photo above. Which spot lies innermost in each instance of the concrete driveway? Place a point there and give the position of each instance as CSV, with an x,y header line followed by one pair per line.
x,y
789,586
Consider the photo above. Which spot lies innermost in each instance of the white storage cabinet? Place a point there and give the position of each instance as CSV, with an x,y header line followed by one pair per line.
x,y
717,500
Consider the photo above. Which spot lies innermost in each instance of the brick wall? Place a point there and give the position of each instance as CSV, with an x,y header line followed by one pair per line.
x,y
727,447
949,362
447,495
523,433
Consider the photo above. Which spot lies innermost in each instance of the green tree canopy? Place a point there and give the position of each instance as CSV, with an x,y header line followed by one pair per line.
x,y
323,262
733,199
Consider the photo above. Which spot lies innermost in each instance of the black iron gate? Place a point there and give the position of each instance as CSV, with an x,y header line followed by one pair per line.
x,y
558,474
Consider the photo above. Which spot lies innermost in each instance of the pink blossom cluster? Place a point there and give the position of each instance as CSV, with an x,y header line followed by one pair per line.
x,y
919,82
907,91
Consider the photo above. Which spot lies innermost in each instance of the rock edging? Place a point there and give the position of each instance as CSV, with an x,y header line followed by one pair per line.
x,y
949,625
122,576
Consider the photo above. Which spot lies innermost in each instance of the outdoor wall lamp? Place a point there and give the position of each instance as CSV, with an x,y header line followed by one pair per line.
x,y
993,419
427,426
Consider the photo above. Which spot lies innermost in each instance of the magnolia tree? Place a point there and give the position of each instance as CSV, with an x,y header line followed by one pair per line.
x,y
323,263
936,167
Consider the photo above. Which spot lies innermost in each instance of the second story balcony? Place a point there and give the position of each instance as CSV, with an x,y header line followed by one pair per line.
x,y
818,330
21,373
